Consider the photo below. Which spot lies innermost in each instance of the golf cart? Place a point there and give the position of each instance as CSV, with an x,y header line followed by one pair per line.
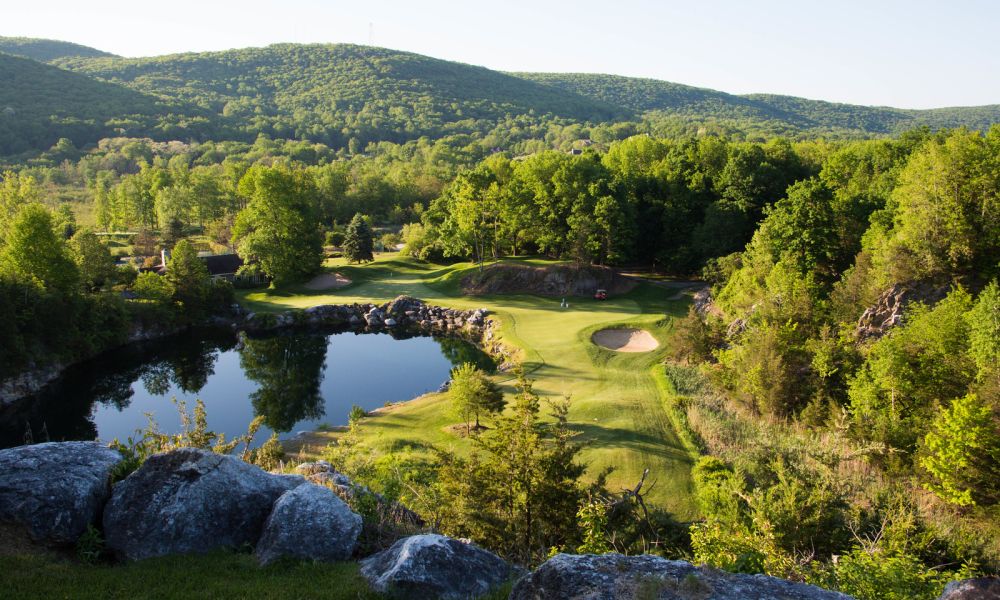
x,y
601,295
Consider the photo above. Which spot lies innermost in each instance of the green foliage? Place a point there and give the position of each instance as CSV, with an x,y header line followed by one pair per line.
x,y
868,575
150,286
93,260
984,331
34,254
278,226
357,413
188,277
90,546
46,50
962,453
473,394
894,392
358,243
194,433
519,493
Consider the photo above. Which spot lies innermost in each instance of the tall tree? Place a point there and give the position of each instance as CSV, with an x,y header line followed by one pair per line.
x,y
279,226
358,243
35,254
93,259
473,394
189,277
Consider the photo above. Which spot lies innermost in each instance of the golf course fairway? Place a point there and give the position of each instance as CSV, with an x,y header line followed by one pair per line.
x,y
616,403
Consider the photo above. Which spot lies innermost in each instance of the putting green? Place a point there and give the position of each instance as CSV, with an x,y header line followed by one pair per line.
x,y
615,402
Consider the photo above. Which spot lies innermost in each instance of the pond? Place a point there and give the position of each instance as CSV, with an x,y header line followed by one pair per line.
x,y
295,380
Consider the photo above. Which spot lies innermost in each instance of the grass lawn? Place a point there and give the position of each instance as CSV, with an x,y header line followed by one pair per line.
x,y
216,575
616,403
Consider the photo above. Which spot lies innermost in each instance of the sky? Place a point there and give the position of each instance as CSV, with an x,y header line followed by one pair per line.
x,y
903,53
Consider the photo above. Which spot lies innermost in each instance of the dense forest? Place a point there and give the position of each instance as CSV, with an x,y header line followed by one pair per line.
x,y
46,50
350,97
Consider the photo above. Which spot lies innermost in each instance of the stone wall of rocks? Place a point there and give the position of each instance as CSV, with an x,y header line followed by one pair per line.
x,y
403,315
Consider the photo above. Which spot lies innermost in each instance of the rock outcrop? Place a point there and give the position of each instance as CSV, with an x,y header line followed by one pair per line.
x,y
613,576
190,501
309,522
888,310
556,280
983,588
435,566
54,490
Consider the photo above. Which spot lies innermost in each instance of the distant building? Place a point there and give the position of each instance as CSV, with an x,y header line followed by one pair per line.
x,y
223,265
219,265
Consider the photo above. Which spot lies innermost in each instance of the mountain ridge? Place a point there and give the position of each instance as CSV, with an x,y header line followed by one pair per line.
x,y
347,96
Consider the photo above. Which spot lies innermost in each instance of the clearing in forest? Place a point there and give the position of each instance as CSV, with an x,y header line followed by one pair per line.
x,y
616,403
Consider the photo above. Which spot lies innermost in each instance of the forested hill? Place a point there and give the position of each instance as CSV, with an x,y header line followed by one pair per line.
x,y
348,96
332,93
40,104
46,50
651,95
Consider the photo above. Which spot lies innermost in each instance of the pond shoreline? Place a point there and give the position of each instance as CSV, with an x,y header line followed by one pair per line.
x,y
405,315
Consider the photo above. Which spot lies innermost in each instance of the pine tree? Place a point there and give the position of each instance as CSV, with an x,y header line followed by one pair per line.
x,y
358,240
963,453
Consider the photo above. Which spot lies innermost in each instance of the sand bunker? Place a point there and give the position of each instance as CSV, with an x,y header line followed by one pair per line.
x,y
625,340
327,281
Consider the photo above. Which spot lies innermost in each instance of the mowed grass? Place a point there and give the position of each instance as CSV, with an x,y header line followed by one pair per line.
x,y
216,575
615,402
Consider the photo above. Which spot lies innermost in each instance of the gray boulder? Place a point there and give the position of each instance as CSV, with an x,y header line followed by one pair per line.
x,y
190,501
983,588
309,522
435,566
612,576
54,490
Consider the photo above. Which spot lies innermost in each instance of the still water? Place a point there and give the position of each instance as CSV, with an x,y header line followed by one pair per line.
x,y
296,381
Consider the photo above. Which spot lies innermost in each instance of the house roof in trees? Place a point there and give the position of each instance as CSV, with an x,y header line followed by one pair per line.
x,y
222,264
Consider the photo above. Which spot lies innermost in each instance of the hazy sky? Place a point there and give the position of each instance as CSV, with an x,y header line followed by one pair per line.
x,y
906,53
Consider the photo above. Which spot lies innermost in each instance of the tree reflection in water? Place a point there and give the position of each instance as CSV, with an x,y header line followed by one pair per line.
x,y
289,369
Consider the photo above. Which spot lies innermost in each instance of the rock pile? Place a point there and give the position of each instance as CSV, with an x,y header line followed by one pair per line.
x,y
613,576
402,314
191,501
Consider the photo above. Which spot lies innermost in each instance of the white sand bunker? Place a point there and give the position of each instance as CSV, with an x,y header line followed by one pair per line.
x,y
327,281
625,340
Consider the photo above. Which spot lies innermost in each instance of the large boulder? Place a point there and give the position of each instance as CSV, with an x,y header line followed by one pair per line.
x,y
190,501
612,576
983,588
309,522
435,566
54,490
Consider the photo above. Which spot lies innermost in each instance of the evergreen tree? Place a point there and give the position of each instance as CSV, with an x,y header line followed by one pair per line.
x,y
963,453
358,242
188,276
520,493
